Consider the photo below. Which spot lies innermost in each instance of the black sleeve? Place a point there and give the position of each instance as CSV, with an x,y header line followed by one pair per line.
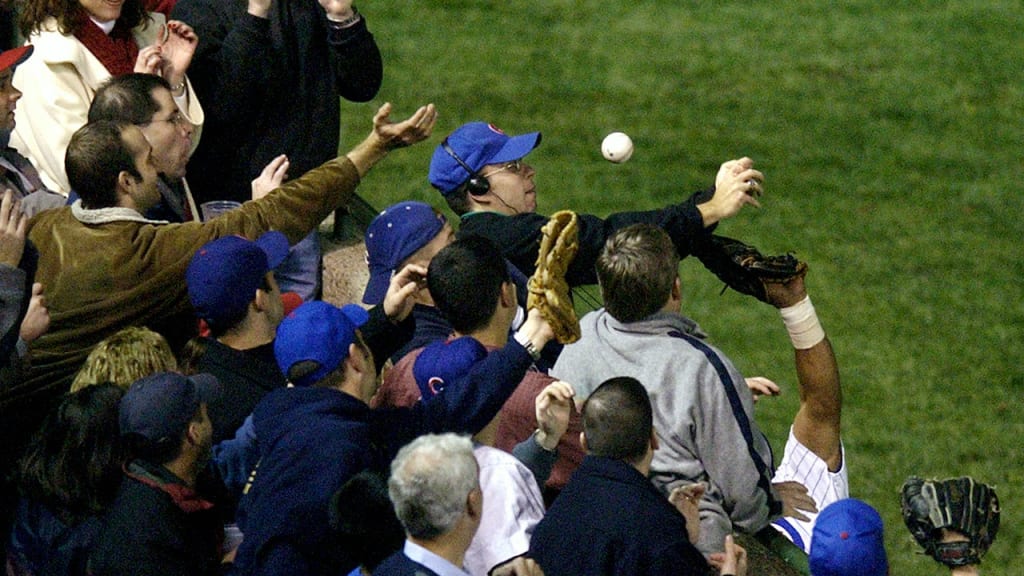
x,y
229,68
355,57
384,337
520,235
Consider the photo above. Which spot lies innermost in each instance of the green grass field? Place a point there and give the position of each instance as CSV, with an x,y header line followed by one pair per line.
x,y
891,135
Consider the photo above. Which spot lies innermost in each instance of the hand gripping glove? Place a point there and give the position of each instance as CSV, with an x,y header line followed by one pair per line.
x,y
549,292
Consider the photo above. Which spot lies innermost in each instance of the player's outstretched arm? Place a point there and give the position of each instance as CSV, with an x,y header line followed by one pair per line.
x,y
817,422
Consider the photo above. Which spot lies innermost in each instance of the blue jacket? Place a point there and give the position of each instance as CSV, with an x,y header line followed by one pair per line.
x,y
312,440
611,520
398,564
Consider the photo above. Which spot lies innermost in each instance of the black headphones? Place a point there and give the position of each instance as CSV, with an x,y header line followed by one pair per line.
x,y
477,185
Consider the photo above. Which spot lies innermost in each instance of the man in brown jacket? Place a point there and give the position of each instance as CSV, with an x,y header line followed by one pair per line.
x,y
106,267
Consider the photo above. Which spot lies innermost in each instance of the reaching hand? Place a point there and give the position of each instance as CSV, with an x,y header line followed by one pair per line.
x,y
736,185
37,318
149,60
416,128
177,46
553,407
785,294
399,301
686,499
13,225
271,177
732,562
794,498
338,10
761,386
518,566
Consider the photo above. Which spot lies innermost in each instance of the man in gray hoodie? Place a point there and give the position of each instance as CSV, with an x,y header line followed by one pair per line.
x,y
703,408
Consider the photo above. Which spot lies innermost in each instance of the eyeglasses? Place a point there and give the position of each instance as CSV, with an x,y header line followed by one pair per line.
x,y
515,166
176,118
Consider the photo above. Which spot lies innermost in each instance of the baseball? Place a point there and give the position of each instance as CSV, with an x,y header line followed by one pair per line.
x,y
617,147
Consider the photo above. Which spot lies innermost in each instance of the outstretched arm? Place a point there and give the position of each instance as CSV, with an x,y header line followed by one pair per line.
x,y
817,422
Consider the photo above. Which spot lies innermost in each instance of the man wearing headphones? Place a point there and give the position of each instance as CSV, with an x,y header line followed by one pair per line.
x,y
481,174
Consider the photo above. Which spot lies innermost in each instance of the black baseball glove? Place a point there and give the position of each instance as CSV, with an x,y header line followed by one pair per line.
x,y
962,505
744,269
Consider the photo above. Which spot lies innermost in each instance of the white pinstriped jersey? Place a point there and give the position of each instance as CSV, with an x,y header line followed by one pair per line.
x,y
801,465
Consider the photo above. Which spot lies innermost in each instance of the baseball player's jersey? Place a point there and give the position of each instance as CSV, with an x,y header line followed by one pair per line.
x,y
801,465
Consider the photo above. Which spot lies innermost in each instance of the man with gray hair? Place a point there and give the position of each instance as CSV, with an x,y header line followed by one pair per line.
x,y
435,488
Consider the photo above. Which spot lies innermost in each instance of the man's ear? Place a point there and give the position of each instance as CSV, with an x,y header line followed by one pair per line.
x,y
677,289
583,442
356,358
508,295
475,504
260,301
192,433
125,182
654,440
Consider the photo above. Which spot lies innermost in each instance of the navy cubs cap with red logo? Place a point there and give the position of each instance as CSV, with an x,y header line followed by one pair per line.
x,y
477,144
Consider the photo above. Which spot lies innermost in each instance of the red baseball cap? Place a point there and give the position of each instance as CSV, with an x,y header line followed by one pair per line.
x,y
11,58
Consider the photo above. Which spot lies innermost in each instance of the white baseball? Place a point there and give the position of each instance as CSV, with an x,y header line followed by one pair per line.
x,y
617,147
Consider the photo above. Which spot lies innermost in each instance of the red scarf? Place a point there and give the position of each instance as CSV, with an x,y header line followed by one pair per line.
x,y
116,51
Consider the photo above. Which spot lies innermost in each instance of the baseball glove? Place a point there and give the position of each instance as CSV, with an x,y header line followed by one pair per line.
x,y
958,504
744,269
549,292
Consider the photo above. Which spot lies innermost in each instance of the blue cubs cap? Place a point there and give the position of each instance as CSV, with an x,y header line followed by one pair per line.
x,y
847,541
317,332
443,363
225,273
394,235
477,144
160,406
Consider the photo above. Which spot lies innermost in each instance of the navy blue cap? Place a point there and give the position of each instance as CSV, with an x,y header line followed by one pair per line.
x,y
225,273
477,144
848,541
443,363
161,405
319,332
394,235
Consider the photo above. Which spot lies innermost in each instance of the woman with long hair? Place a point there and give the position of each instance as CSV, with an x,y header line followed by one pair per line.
x,y
67,479
79,44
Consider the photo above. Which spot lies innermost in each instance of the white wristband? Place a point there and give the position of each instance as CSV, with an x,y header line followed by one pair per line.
x,y
802,324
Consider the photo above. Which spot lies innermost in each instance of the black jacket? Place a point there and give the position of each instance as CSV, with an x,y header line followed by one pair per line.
x,y
157,526
269,87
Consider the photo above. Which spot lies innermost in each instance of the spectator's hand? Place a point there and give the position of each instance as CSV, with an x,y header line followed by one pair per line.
x,y
761,386
536,329
732,562
518,566
37,318
259,8
149,60
338,10
553,407
686,499
736,185
12,230
794,498
390,135
399,301
176,48
271,177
